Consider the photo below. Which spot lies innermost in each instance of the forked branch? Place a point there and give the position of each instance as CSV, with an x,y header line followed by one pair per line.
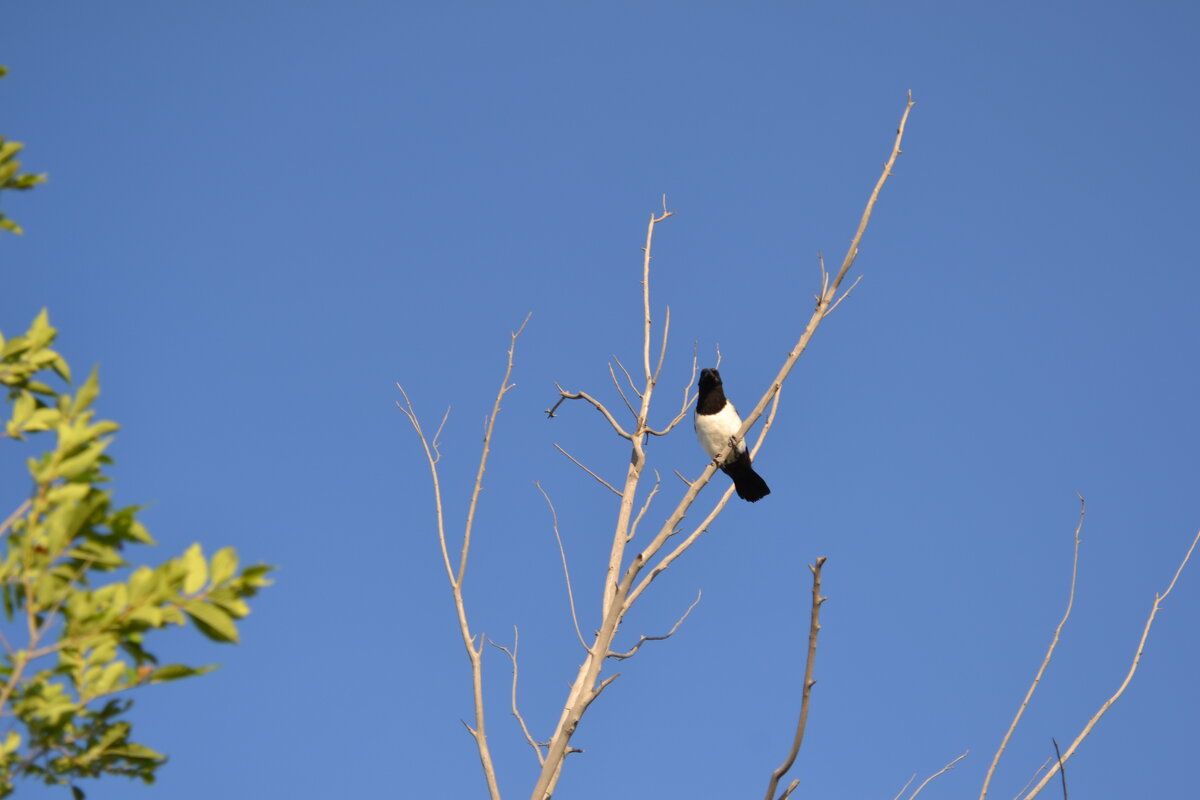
x,y
457,575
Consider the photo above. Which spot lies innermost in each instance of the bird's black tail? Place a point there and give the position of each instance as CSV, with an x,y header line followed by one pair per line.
x,y
748,483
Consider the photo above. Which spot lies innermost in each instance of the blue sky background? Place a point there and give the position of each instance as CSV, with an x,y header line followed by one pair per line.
x,y
260,216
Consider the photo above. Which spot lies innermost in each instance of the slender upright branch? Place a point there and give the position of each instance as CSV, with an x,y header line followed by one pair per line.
x,y
1062,771
621,391
1137,658
512,655
457,577
1045,661
905,786
814,628
566,573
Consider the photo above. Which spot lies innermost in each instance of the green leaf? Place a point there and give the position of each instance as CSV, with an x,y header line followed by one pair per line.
x,y
87,392
197,570
139,752
173,672
212,621
224,565
76,465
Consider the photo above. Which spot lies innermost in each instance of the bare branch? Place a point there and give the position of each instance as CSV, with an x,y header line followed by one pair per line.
x,y
643,639
1045,661
845,294
512,654
1036,772
645,507
905,786
791,788
474,654
432,458
686,482
619,390
662,354
651,378
814,628
1137,658
487,448
937,774
565,395
566,574
688,399
629,378
585,469
1062,771
603,685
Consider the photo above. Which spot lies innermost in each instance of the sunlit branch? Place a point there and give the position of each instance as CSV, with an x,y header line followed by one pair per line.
x,y
814,628
937,774
566,573
585,469
643,639
1045,661
1137,658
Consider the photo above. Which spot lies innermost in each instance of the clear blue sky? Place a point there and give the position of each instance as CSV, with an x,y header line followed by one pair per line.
x,y
260,216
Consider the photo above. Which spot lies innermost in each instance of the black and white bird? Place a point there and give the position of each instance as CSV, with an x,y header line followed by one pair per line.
x,y
716,423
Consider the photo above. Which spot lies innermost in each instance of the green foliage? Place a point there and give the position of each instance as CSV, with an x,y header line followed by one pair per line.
x,y
76,613
11,176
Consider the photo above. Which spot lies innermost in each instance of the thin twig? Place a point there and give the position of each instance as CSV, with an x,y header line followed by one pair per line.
x,y
645,507
1036,772
939,773
791,788
585,469
629,378
1045,661
565,395
662,354
686,482
643,639
1137,658
512,654
845,294
814,628
566,573
1062,771
905,786
688,399
619,390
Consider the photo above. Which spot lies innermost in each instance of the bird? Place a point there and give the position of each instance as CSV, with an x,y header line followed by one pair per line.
x,y
717,422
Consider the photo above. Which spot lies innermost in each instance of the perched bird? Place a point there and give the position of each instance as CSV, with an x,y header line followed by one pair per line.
x,y
716,423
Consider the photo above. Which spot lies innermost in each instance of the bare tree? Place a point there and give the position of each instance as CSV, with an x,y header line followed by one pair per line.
x,y
632,569
628,575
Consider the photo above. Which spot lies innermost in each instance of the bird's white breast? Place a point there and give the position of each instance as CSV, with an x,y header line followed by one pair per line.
x,y
714,430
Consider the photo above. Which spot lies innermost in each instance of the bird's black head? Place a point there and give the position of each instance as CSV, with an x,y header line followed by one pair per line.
x,y
709,379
